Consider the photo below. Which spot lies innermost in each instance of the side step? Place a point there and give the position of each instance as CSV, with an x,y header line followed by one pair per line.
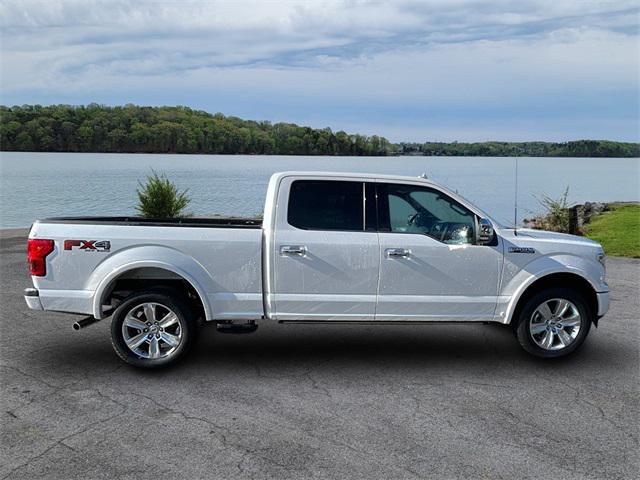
x,y
230,327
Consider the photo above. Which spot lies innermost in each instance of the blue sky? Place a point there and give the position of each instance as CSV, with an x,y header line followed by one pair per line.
x,y
409,70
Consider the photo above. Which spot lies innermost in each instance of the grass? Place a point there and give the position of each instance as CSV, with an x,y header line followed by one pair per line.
x,y
618,230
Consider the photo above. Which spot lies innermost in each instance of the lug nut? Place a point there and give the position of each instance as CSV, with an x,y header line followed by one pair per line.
x,y
146,329
149,336
157,335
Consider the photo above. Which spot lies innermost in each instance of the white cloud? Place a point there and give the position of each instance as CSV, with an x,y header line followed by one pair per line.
x,y
415,60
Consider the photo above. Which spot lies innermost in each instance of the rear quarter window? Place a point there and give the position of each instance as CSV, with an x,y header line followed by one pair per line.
x,y
326,205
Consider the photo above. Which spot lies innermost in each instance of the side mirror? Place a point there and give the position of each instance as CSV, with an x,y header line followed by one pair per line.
x,y
485,232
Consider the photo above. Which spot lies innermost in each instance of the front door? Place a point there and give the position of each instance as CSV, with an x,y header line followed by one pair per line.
x,y
430,267
325,259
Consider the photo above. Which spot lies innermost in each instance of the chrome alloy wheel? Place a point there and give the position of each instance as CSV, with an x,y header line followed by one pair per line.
x,y
151,330
555,324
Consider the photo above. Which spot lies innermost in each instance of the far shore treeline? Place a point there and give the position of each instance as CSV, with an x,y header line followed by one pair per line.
x,y
136,129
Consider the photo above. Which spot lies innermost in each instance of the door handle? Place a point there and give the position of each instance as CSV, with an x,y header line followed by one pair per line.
x,y
397,252
293,250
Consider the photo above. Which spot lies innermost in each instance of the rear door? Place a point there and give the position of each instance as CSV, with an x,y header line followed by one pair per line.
x,y
430,266
326,250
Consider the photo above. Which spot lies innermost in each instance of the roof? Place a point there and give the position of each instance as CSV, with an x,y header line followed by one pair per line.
x,y
369,176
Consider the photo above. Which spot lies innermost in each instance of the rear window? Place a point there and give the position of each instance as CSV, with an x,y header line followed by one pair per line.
x,y
326,205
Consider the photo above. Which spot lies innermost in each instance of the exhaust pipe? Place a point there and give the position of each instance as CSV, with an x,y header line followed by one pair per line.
x,y
85,322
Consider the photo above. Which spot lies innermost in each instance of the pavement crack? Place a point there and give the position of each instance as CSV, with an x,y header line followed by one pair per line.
x,y
579,398
186,416
316,385
491,385
62,441
29,375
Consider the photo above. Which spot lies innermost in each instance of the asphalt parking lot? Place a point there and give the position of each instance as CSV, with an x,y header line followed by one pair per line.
x,y
318,401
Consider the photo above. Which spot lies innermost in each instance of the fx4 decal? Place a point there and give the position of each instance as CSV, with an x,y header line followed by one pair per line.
x,y
88,245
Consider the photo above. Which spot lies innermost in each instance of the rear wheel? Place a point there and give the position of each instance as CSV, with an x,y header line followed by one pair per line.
x,y
554,323
153,328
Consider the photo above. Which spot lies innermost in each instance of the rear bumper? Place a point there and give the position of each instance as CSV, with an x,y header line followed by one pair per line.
x,y
32,297
603,303
72,301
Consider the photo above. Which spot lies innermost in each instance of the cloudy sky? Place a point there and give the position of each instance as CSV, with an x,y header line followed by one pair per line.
x,y
409,70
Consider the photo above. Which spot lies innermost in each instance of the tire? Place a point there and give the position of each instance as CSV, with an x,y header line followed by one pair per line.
x,y
158,341
547,329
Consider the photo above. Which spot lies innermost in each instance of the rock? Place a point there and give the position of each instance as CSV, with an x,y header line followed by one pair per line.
x,y
580,215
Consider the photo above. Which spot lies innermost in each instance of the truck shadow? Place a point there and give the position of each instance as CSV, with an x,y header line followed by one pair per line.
x,y
389,346
281,349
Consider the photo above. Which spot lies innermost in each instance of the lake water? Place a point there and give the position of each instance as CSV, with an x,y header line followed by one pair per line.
x,y
38,185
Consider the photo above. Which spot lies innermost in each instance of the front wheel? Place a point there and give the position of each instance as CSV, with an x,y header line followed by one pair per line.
x,y
554,323
153,328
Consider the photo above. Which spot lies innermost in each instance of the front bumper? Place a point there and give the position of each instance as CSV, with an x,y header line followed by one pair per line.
x,y
32,297
603,303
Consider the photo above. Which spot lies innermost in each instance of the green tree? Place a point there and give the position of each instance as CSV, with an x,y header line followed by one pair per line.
x,y
132,128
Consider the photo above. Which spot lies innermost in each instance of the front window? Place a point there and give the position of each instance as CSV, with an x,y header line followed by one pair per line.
x,y
422,210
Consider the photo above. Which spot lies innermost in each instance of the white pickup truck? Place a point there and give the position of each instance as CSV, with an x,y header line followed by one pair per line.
x,y
332,248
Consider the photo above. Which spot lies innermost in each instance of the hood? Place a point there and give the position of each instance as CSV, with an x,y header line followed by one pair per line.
x,y
529,235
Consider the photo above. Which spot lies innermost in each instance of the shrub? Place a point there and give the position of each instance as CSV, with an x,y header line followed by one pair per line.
x,y
557,216
160,198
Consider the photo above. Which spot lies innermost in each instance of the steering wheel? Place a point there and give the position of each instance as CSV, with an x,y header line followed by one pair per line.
x,y
439,230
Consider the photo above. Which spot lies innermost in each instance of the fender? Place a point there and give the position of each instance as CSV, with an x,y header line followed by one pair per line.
x,y
164,258
514,287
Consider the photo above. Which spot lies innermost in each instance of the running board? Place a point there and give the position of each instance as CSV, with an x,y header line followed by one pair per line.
x,y
229,327
389,322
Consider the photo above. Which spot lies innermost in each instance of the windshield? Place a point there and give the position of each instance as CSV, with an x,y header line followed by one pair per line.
x,y
478,210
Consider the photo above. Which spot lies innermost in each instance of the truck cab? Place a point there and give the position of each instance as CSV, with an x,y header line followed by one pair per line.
x,y
351,248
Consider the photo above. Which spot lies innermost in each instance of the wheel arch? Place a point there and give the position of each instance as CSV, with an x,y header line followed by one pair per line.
x,y
562,279
164,259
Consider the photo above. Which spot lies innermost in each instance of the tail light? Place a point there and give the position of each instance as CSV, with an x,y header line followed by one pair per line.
x,y
37,251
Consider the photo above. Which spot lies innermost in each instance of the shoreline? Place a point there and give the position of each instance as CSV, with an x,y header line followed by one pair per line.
x,y
394,155
14,232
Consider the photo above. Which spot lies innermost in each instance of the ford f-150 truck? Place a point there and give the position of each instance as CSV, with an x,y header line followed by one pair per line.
x,y
331,248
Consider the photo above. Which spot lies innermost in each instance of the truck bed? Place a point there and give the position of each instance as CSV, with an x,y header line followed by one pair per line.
x,y
222,256
214,222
